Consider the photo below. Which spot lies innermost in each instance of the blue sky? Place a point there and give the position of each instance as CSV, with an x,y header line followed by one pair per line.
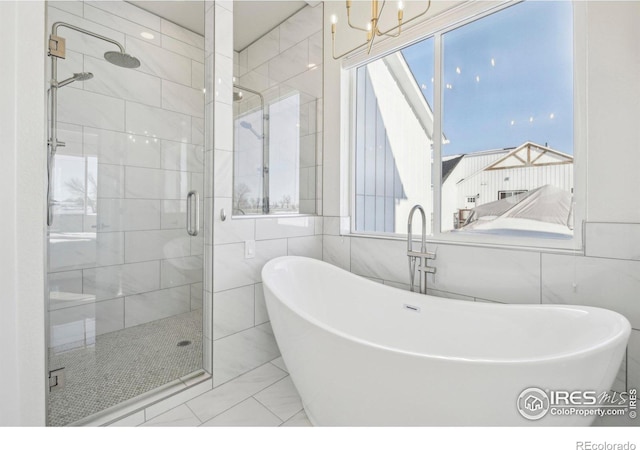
x,y
510,76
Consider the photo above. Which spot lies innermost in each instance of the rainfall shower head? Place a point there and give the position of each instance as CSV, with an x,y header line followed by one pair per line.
x,y
82,76
122,59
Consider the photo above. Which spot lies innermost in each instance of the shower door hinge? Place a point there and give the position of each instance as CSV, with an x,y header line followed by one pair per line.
x,y
56,379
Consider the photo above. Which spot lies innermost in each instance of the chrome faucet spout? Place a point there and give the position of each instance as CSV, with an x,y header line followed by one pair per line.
x,y
418,260
423,240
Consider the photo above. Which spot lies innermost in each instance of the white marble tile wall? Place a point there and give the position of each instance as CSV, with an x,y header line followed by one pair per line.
x,y
243,339
122,256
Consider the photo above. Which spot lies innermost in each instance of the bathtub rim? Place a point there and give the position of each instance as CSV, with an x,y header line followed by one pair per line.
x,y
622,334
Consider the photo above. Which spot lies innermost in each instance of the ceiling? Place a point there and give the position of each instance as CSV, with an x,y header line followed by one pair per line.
x,y
252,18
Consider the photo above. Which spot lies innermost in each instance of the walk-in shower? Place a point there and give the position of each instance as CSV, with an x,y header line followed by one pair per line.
x,y
125,255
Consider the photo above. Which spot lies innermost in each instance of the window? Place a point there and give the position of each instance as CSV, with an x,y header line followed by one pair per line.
x,y
500,99
505,194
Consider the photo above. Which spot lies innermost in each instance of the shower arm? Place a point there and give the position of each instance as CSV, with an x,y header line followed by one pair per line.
x,y
55,26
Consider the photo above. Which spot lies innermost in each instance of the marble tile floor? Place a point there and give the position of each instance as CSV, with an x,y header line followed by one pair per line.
x,y
263,397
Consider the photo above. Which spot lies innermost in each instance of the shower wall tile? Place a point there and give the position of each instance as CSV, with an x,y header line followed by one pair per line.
x,y
85,250
130,12
289,63
81,324
182,34
155,245
182,48
197,131
156,305
233,311
197,290
264,49
181,271
125,215
90,109
155,122
316,49
274,228
119,280
74,7
258,78
299,27
111,147
70,281
117,23
182,156
197,75
156,184
160,62
197,243
121,83
182,99
110,181
605,283
174,214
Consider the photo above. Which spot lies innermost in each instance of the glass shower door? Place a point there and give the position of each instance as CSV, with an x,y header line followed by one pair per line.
x,y
126,244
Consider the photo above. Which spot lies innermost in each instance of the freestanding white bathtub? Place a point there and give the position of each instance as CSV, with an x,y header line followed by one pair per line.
x,y
365,354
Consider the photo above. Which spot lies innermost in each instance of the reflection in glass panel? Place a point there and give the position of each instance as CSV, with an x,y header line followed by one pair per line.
x,y
274,156
250,153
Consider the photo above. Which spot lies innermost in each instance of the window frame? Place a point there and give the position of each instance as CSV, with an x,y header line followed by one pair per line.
x,y
436,27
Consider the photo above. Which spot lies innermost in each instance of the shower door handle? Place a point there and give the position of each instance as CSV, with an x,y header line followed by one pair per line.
x,y
191,229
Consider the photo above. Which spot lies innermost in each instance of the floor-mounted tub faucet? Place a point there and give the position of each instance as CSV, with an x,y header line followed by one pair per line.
x,y
418,260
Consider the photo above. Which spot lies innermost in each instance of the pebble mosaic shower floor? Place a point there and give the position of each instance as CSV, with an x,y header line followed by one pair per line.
x,y
124,364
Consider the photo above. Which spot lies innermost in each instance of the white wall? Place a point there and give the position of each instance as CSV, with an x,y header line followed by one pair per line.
x,y
22,175
607,275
